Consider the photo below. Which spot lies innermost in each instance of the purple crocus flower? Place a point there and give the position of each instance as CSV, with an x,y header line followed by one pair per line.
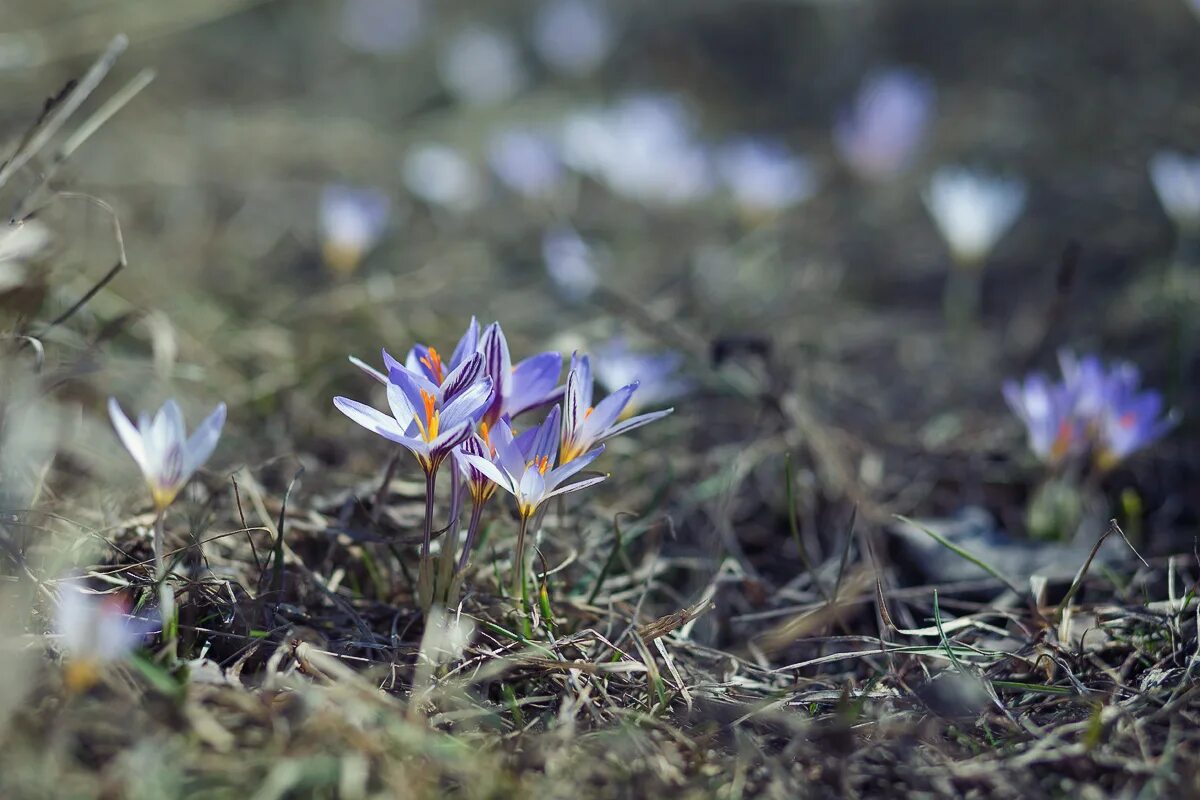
x,y
1047,409
1128,419
585,425
427,420
656,374
530,384
425,362
525,467
878,135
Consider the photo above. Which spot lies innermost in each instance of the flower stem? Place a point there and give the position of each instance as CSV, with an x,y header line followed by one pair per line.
x,y
472,535
425,577
962,298
166,593
518,586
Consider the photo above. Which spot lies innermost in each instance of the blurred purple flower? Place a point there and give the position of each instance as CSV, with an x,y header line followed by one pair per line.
x,y
879,134
441,175
573,36
351,220
382,27
585,425
530,384
1176,179
570,264
480,65
95,630
526,162
1047,409
764,176
656,374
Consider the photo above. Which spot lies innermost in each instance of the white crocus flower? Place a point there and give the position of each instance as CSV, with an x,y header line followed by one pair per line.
x,y
162,448
574,37
973,210
481,66
441,175
352,220
1176,179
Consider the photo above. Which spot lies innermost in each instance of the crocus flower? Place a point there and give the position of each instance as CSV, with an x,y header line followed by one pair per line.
x,y
351,223
529,474
442,176
973,210
644,148
573,36
1176,179
1120,417
879,134
426,362
1048,411
585,425
94,630
656,374
162,449
422,419
481,65
764,176
570,264
526,162
530,384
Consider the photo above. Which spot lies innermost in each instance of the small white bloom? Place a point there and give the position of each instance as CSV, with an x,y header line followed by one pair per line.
x,y
352,220
441,175
162,449
764,176
973,210
1176,179
570,264
481,66
643,148
525,161
573,36
382,27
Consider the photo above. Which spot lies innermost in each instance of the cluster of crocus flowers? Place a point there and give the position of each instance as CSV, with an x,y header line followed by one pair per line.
x,y
464,409
1096,409
94,630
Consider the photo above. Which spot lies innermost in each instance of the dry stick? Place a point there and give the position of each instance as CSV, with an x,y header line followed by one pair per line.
x,y
56,115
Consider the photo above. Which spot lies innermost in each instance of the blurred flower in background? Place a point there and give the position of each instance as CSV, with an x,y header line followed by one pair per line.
x,y
1176,179
95,630
526,161
1047,410
570,264
573,37
351,221
657,374
481,66
382,27
643,148
973,210
440,175
764,176
880,133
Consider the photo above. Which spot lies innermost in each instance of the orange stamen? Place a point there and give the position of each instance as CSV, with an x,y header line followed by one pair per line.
x,y
588,413
543,464
1127,420
430,429
433,363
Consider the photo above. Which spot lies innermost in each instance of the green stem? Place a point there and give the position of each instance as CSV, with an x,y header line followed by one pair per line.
x,y
425,577
518,587
962,298
166,593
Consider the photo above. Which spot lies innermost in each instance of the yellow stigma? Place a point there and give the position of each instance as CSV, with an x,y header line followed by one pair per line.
x,y
81,674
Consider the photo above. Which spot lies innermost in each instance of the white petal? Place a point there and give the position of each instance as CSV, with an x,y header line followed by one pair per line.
x,y
202,443
129,435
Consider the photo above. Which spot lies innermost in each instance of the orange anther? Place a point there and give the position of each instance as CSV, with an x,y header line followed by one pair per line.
x,y
588,413
433,363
